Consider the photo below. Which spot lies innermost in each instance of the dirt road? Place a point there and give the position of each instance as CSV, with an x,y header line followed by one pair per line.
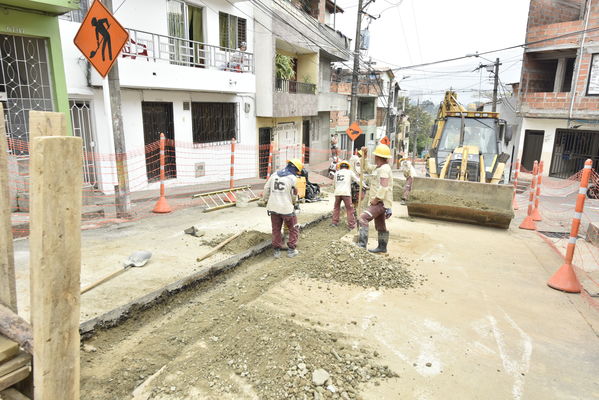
x,y
462,312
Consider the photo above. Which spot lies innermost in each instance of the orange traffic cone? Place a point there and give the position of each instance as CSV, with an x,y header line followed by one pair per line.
x,y
565,280
162,206
528,223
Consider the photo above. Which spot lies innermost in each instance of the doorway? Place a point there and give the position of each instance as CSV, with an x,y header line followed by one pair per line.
x,y
158,118
186,28
264,140
533,146
306,140
571,148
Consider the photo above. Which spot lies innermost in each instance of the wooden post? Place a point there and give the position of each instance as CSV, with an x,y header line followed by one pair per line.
x,y
55,262
8,292
360,189
42,123
16,329
269,170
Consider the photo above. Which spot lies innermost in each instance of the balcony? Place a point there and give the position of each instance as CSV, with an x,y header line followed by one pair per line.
x,y
286,86
151,60
294,99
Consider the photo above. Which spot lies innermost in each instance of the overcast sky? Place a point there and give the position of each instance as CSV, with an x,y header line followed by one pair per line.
x,y
412,32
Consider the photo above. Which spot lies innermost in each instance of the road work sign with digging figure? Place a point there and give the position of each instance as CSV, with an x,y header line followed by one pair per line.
x,y
101,38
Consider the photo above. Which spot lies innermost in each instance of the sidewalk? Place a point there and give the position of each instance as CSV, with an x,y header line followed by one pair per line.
x,y
174,253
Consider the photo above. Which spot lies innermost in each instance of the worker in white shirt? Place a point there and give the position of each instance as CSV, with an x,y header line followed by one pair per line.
x,y
342,181
280,196
355,162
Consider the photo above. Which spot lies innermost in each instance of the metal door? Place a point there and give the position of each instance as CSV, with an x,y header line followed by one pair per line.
x,y
570,150
82,126
306,140
264,139
157,119
533,146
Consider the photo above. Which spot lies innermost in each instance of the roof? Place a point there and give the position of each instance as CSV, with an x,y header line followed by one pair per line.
x,y
332,7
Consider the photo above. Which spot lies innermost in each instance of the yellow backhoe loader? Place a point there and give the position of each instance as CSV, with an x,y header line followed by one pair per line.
x,y
465,169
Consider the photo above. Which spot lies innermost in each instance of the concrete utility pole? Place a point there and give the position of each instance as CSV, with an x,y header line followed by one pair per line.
x,y
353,108
121,193
414,137
389,116
496,84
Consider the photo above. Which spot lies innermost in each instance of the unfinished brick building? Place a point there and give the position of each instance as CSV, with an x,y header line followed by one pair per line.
x,y
559,98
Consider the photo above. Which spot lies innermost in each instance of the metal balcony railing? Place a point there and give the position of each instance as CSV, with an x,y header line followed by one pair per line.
x,y
185,52
286,86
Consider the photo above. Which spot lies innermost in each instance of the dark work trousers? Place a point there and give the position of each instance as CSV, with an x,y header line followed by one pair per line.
x,y
349,207
376,213
290,221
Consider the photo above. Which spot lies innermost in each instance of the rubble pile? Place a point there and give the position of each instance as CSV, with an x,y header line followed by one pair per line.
x,y
346,263
282,359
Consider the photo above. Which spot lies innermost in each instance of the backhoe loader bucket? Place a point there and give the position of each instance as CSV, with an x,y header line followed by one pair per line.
x,y
470,202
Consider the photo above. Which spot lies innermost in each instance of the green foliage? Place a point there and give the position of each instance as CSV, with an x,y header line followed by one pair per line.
x,y
284,67
421,122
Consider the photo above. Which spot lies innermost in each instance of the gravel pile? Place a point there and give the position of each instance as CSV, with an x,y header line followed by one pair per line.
x,y
347,263
282,359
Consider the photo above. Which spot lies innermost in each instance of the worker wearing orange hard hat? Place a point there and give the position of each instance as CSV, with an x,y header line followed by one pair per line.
x,y
280,196
381,199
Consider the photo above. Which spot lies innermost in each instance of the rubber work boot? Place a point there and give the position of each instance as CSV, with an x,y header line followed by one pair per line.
x,y
363,237
277,253
292,253
383,240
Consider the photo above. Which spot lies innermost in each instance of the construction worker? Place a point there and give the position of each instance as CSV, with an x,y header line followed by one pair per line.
x,y
380,199
354,162
409,172
342,184
280,196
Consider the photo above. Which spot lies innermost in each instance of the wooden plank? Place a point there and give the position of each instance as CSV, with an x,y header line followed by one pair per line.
x,y
8,349
43,123
12,394
16,328
19,361
8,292
55,263
14,377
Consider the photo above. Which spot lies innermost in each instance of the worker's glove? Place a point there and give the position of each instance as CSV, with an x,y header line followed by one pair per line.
x,y
261,203
388,213
296,206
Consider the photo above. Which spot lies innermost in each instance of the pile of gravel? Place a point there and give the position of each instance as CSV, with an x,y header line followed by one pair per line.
x,y
346,263
282,359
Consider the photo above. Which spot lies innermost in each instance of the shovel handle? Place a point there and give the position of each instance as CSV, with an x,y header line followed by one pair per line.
x,y
103,280
219,246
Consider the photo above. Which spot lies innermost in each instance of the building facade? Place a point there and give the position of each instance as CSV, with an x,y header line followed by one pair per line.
x,y
378,97
184,72
559,86
294,109
31,76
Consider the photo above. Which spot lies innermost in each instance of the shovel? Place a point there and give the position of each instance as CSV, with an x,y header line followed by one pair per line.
x,y
137,259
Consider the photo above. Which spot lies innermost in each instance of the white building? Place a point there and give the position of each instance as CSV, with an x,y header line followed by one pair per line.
x,y
181,74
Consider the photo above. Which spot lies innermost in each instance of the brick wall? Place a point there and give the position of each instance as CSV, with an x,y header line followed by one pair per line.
x,y
550,18
363,88
544,12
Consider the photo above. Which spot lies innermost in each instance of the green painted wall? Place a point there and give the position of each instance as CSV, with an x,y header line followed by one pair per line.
x,y
50,6
22,23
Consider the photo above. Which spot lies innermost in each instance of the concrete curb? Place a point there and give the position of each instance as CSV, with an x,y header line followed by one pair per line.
x,y
120,314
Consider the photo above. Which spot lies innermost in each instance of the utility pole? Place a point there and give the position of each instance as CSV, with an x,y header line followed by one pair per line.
x,y
121,193
414,137
496,84
353,108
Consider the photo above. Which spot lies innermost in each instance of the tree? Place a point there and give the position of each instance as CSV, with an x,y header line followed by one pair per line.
x,y
421,123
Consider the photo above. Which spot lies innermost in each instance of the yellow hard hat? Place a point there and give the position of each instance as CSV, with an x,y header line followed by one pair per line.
x,y
297,163
359,152
342,163
383,151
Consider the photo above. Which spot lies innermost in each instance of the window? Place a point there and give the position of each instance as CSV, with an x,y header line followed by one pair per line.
x,y
232,29
366,109
214,122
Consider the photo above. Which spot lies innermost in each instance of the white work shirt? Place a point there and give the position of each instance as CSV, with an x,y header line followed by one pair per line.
x,y
355,164
279,194
342,182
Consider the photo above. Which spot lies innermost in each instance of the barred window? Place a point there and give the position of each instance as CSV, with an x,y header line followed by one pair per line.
x,y
232,30
214,122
